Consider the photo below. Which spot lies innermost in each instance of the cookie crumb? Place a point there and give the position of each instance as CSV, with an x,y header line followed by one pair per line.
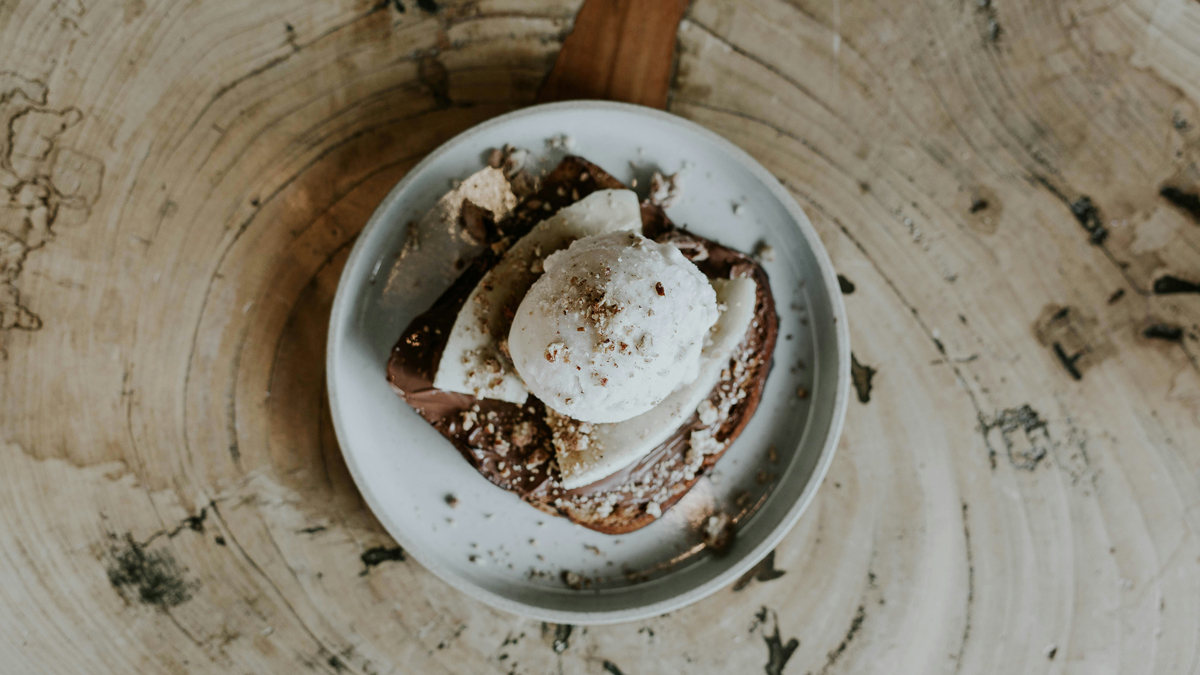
x,y
572,580
665,191
718,532
561,142
764,252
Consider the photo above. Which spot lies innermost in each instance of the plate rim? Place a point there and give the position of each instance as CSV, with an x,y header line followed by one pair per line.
x,y
338,316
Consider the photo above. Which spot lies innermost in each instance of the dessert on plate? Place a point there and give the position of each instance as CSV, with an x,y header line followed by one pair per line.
x,y
594,358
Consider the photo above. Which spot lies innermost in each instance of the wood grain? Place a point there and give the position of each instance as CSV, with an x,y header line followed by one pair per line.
x,y
618,50
1016,487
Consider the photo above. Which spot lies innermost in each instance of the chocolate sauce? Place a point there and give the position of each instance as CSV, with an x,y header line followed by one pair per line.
x,y
510,444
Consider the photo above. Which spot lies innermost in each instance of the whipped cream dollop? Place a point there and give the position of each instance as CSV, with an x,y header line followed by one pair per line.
x,y
614,326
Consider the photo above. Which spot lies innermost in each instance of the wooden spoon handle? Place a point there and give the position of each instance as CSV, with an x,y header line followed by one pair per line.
x,y
620,50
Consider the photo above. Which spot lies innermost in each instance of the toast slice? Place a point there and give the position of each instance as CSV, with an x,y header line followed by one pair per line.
x,y
512,445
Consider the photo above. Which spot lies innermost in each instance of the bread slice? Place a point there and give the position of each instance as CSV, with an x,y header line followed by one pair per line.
x,y
513,445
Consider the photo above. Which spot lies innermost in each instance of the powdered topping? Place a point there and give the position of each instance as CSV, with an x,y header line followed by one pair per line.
x,y
628,441
600,299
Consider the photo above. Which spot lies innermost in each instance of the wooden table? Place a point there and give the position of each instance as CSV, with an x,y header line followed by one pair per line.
x,y
1009,188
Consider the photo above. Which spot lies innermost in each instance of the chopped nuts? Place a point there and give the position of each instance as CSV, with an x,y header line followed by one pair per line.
x,y
555,350
572,580
665,191
764,252
522,434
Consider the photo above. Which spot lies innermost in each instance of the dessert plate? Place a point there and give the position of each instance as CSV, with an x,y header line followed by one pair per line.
x,y
487,542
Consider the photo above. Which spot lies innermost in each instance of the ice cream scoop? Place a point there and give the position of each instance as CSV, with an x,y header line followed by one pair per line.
x,y
614,326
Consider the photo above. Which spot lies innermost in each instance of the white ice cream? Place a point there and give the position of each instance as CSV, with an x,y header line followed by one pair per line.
x,y
614,326
472,362
612,447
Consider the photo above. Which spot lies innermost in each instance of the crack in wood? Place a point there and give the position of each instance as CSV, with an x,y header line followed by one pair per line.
x,y
1089,217
991,28
966,635
778,652
763,572
1164,331
860,615
845,284
1169,285
194,523
231,427
378,555
1188,202
457,632
1068,362
861,377
562,637
39,179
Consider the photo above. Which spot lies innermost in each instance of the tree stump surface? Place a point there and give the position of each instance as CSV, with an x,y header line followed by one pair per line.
x,y
1008,188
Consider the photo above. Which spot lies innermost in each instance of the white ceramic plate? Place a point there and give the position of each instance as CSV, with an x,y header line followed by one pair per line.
x,y
485,545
